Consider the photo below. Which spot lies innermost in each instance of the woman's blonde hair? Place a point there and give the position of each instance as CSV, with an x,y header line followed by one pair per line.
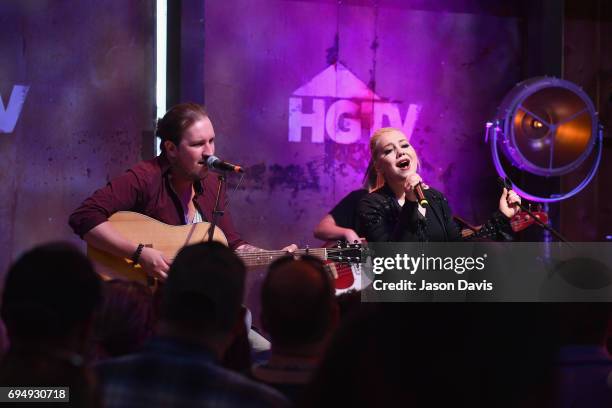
x,y
377,180
370,179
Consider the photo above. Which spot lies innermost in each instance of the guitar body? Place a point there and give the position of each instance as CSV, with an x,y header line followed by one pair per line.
x,y
138,228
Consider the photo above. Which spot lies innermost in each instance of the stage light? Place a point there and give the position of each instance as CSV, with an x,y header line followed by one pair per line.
x,y
161,43
546,127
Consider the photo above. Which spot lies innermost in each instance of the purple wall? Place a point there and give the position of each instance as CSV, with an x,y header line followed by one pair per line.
x,y
89,72
89,69
269,69
588,62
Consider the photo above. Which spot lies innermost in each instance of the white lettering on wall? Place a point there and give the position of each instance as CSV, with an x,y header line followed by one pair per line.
x,y
10,114
392,112
342,106
342,122
298,119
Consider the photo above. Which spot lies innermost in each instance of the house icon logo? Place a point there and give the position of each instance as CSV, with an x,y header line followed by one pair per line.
x,y
338,104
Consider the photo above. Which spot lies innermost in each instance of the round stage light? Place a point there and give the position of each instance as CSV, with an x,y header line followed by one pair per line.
x,y
546,127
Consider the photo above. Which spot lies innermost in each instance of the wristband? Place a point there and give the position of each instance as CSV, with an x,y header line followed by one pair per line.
x,y
136,256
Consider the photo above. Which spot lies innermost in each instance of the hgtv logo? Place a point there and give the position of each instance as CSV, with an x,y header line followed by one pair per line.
x,y
337,103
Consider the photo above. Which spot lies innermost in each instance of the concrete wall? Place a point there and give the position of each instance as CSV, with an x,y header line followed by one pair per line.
x,y
89,66
588,62
89,108
451,61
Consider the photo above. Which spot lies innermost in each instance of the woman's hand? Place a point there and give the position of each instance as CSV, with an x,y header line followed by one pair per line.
x,y
351,237
411,182
509,203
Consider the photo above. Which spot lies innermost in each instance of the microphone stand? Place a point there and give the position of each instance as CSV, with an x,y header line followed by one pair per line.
x,y
543,225
216,211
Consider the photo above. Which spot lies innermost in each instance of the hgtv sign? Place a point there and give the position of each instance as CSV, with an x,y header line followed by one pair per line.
x,y
337,103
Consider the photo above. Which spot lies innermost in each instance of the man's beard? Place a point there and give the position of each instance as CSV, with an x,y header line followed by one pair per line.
x,y
192,174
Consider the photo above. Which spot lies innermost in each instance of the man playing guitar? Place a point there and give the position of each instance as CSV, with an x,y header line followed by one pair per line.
x,y
175,188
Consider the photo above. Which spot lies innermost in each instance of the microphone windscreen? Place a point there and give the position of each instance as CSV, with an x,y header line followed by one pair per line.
x,y
211,160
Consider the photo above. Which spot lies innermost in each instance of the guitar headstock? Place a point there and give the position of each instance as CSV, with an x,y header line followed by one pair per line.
x,y
345,252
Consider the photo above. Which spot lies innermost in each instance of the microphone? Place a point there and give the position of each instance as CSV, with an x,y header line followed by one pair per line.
x,y
504,183
215,163
418,190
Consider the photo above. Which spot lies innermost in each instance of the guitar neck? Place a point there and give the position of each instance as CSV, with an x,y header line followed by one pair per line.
x,y
265,257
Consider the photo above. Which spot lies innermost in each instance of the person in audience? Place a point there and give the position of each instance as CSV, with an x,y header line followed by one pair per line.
x,y
300,312
585,366
238,356
180,366
349,303
124,320
439,355
48,304
584,363
4,341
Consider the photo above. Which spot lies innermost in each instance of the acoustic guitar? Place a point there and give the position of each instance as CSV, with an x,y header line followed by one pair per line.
x,y
169,239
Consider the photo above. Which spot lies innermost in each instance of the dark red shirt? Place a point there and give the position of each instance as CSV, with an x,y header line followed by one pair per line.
x,y
146,189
